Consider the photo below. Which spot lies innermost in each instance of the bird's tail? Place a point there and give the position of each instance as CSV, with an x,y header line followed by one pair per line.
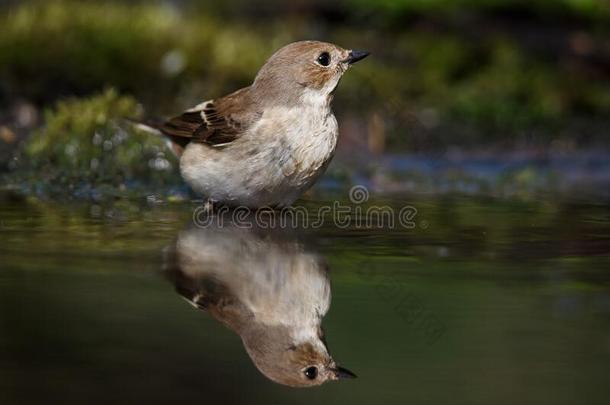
x,y
149,126
145,126
154,128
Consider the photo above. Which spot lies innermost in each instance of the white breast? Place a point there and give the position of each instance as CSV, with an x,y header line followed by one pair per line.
x,y
308,137
272,164
279,283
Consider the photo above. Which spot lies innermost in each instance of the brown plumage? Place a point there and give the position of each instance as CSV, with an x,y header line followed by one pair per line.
x,y
265,144
213,122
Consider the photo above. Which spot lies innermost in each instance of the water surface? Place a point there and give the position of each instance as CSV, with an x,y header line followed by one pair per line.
x,y
481,301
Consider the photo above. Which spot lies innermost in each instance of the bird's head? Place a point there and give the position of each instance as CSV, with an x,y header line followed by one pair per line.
x,y
305,71
304,364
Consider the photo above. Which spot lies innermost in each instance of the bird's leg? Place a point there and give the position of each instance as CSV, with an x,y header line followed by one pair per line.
x,y
209,205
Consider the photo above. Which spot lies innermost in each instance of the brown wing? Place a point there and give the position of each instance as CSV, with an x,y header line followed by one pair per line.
x,y
214,122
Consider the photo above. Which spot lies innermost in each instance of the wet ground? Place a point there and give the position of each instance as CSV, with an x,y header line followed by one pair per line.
x,y
461,300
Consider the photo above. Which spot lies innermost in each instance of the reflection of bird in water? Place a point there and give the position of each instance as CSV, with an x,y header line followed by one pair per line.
x,y
269,291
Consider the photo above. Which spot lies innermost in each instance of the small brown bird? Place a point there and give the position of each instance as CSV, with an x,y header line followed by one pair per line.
x,y
266,288
264,145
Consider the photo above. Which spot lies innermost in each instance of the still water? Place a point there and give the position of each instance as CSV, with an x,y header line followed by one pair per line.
x,y
474,301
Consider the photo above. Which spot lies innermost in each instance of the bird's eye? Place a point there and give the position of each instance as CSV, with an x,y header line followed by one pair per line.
x,y
311,372
324,59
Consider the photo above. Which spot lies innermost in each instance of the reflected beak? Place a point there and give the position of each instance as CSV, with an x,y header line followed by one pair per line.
x,y
343,373
355,56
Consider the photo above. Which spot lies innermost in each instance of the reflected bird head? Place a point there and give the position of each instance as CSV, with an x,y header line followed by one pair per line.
x,y
303,364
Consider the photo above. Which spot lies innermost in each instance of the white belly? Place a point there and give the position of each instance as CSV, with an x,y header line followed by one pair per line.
x,y
270,165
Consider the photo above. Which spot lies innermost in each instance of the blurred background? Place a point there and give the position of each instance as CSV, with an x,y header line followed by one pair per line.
x,y
475,96
490,117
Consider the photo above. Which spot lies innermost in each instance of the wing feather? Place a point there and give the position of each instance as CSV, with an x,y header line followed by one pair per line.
x,y
213,122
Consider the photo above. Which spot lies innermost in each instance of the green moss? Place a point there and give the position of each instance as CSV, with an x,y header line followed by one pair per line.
x,y
86,147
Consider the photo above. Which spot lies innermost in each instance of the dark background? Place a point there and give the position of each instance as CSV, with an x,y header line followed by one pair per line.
x,y
490,117
477,85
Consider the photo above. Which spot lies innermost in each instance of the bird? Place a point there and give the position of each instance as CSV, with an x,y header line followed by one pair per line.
x,y
265,287
265,144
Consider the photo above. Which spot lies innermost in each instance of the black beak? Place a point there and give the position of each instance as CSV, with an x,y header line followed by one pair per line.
x,y
355,56
343,373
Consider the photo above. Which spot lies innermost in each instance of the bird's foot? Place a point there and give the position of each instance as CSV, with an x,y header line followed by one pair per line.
x,y
209,206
